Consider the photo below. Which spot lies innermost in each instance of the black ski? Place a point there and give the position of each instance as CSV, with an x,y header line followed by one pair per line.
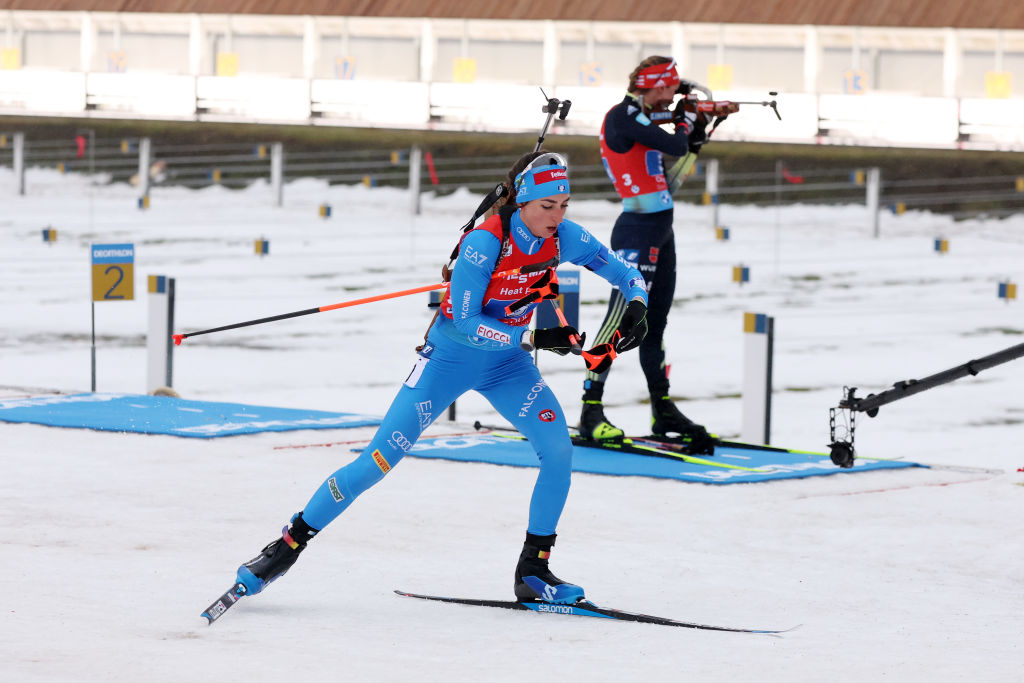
x,y
585,608
224,602
681,445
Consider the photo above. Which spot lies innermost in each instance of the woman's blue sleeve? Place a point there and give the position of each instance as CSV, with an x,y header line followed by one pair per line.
x,y
580,247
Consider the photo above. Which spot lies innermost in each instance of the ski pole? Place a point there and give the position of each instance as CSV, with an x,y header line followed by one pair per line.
x,y
574,339
178,338
551,107
546,287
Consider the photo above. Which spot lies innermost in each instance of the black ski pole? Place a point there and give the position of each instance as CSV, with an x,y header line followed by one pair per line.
x,y
552,107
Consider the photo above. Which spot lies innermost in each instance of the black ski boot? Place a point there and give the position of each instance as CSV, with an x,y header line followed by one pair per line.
x,y
667,419
593,424
277,557
534,580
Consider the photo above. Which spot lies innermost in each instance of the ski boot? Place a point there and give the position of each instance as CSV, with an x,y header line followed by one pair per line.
x,y
595,426
667,419
535,582
277,557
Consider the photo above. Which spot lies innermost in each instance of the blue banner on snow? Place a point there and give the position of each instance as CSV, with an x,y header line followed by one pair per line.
x,y
770,464
145,414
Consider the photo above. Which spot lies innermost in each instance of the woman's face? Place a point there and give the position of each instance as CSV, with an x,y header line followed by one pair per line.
x,y
543,215
660,98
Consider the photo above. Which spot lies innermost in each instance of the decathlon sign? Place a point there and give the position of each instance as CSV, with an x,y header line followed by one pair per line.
x,y
113,272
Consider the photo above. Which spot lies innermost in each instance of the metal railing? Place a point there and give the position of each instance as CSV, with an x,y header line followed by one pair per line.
x,y
237,165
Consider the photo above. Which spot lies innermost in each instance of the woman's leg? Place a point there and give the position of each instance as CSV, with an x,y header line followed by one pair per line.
x,y
434,383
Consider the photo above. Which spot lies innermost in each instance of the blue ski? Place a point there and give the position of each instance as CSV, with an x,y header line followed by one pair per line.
x,y
585,608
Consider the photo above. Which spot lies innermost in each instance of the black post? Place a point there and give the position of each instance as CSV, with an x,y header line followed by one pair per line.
x,y
770,331
168,382
93,350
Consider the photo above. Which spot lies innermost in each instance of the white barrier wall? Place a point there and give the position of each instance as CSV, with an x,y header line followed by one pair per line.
x,y
836,85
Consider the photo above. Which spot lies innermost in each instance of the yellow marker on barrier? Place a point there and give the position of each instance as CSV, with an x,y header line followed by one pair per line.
x,y
10,59
858,177
720,76
998,84
62,167
261,247
722,234
261,151
1008,291
941,245
144,202
741,274
325,211
227,64
49,235
1019,184
898,208
464,70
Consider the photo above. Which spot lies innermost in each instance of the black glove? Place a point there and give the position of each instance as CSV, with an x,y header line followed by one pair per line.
x,y
633,326
684,115
699,134
557,339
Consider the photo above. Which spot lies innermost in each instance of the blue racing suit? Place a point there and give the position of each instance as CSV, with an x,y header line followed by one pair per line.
x,y
458,357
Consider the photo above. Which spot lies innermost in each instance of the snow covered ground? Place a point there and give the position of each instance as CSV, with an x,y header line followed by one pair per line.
x,y
112,544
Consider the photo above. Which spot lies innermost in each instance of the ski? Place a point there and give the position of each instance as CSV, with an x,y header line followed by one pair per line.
x,y
585,608
629,445
681,445
224,603
677,448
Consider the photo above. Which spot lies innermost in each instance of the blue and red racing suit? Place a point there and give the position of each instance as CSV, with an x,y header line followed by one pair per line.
x,y
474,345
631,150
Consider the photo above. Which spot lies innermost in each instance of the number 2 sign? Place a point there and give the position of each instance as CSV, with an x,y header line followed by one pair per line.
x,y
113,272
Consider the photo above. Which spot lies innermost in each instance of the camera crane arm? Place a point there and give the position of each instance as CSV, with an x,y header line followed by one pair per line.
x,y
843,453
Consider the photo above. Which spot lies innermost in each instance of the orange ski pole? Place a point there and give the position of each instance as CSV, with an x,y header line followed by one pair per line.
x,y
178,338
574,339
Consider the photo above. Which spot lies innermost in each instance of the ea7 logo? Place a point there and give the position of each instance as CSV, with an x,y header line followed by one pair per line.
x,y
474,256
423,410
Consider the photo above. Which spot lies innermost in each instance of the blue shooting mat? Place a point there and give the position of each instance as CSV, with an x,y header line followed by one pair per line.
x,y
771,464
144,414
